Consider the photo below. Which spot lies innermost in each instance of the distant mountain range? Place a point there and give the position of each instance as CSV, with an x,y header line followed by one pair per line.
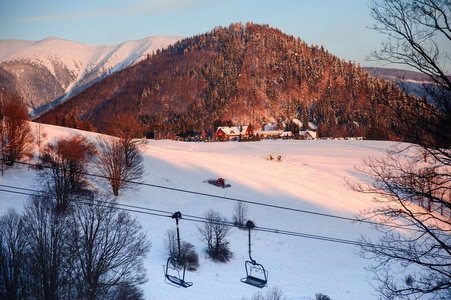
x,y
48,71
410,81
395,75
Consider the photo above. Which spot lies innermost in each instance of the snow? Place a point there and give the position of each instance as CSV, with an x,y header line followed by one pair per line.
x,y
10,46
81,59
311,176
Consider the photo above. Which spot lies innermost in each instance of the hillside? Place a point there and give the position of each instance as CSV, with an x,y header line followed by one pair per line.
x,y
243,74
49,71
311,177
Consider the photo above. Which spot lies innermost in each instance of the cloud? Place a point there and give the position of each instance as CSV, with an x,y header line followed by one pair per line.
x,y
154,7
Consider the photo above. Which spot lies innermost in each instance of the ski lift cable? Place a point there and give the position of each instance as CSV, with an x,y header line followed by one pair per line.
x,y
78,198
85,201
288,233
316,237
170,213
203,220
126,207
297,210
135,208
156,211
230,224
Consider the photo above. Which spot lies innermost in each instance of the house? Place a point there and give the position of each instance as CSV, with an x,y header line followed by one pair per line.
x,y
204,134
265,134
227,133
230,133
309,134
246,131
286,135
165,134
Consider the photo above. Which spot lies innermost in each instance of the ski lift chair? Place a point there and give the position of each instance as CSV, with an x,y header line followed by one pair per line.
x,y
172,273
256,275
172,268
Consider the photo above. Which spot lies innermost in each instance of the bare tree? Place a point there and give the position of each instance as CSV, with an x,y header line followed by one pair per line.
x,y
13,278
48,254
240,215
419,36
108,248
320,296
66,161
125,291
214,232
3,145
274,294
92,251
187,257
414,255
170,243
418,32
414,212
40,136
119,161
17,136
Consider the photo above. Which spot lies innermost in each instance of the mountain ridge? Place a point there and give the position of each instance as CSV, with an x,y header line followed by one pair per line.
x,y
53,69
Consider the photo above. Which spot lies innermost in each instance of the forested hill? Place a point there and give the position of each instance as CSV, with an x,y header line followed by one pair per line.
x,y
243,74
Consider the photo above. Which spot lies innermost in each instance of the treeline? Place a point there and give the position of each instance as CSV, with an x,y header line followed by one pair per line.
x,y
35,83
243,74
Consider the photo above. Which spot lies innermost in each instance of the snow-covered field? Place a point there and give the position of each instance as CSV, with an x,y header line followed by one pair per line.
x,y
310,177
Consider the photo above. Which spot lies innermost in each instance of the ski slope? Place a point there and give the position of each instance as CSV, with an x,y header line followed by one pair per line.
x,y
311,177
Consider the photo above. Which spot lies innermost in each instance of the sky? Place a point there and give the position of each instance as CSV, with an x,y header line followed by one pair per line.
x,y
340,26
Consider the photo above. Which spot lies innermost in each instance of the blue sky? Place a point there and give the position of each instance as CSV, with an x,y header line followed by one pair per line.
x,y
339,25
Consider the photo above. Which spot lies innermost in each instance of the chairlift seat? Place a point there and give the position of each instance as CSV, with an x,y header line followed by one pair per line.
x,y
257,282
178,280
251,268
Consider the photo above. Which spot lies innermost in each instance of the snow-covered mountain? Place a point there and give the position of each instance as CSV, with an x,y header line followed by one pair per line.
x,y
49,71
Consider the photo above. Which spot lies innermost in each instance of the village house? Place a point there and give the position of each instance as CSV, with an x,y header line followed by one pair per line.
x,y
309,134
234,132
287,135
203,134
267,134
165,134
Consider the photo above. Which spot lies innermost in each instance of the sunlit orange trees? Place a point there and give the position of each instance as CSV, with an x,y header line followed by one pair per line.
x,y
119,161
66,165
15,133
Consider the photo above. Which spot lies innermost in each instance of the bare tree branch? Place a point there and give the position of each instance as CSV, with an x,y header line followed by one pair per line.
x,y
120,161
